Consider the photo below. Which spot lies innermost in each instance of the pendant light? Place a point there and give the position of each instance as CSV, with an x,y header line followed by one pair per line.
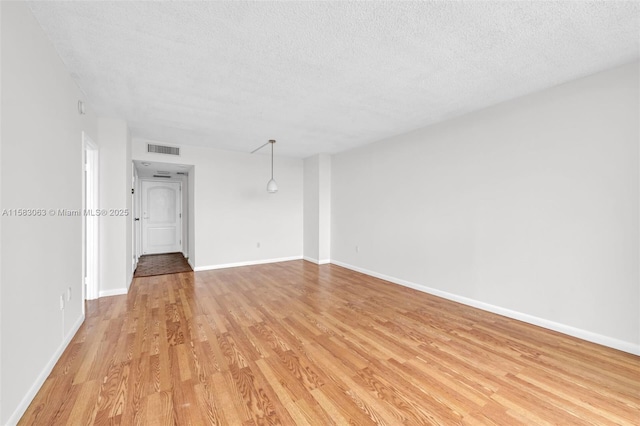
x,y
272,186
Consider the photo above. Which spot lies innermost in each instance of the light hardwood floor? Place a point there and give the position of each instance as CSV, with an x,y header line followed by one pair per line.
x,y
294,343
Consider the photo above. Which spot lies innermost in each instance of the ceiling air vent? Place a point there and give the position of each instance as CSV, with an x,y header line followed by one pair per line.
x,y
162,176
161,149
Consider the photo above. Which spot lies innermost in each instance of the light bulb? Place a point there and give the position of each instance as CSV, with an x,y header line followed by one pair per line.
x,y
272,186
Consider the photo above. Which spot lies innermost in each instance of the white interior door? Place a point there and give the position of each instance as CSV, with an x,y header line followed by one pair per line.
x,y
161,217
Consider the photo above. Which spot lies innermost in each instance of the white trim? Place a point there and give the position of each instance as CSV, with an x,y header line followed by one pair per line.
x,y
249,263
35,387
136,209
545,323
132,220
316,261
114,292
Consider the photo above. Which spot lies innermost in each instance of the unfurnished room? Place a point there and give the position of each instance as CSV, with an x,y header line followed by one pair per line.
x,y
320,212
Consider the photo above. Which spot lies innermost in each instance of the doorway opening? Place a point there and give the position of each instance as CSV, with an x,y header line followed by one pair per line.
x,y
90,287
162,214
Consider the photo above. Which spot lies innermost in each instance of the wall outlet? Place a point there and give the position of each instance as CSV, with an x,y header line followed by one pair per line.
x,y
258,245
62,302
68,294
357,249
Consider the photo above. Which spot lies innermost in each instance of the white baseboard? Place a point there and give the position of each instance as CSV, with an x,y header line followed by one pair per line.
x,y
35,387
545,323
190,262
316,261
249,263
114,292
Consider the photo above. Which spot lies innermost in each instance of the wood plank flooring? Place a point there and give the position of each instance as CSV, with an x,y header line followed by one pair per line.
x,y
296,343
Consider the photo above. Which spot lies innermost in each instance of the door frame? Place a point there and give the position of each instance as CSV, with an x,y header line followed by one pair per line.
x,y
90,221
140,213
137,215
135,220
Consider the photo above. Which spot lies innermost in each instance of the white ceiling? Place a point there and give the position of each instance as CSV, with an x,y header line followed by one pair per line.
x,y
323,76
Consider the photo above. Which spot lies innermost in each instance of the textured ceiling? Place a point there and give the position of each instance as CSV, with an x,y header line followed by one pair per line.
x,y
323,76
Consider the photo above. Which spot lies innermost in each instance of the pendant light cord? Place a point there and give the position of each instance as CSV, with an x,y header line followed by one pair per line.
x,y
272,186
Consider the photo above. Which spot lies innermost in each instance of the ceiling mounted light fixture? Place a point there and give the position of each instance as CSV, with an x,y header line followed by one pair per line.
x,y
272,186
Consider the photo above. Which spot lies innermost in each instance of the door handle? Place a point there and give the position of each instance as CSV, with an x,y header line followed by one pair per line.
x,y
136,219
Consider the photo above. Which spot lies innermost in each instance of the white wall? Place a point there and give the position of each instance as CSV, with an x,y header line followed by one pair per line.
x,y
191,214
185,215
324,208
41,167
317,208
232,211
1,208
528,208
128,254
115,194
311,209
